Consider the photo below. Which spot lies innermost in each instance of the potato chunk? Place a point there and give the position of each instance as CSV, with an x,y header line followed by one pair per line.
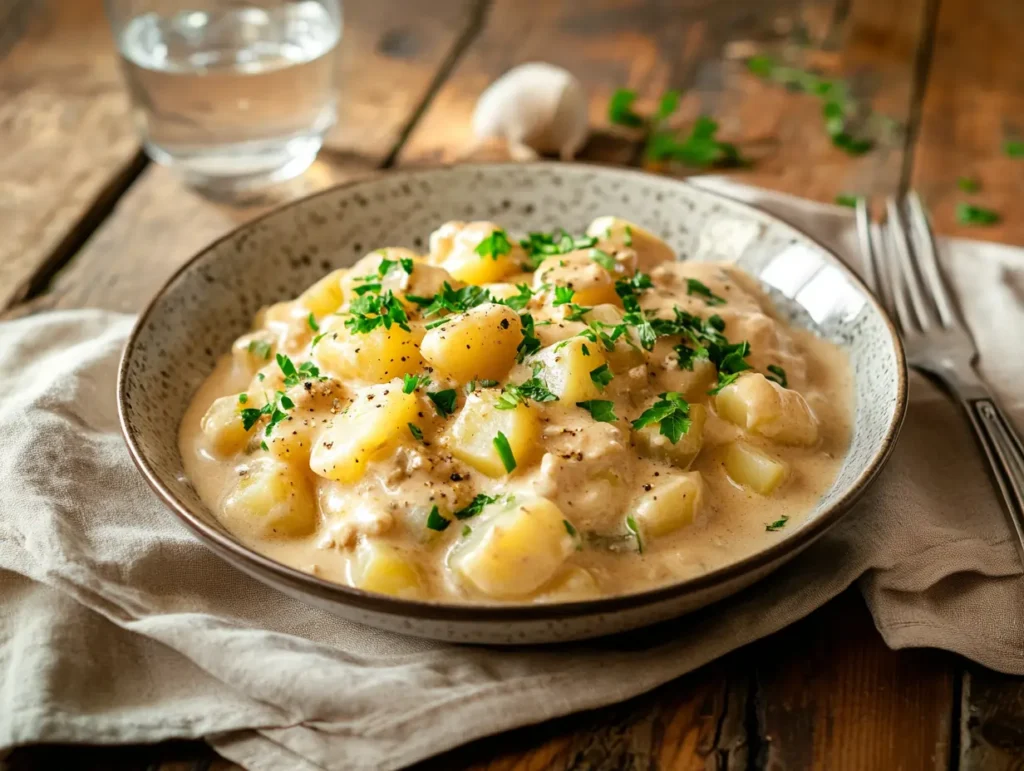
x,y
650,442
223,427
573,583
273,499
382,568
376,421
326,295
375,357
471,436
478,344
763,407
650,250
626,352
591,283
515,551
752,468
425,280
453,247
567,368
673,503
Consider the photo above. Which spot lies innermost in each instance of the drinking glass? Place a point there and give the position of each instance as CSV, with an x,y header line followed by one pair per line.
x,y
233,94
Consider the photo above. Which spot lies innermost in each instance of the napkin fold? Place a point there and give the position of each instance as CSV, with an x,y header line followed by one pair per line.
x,y
119,627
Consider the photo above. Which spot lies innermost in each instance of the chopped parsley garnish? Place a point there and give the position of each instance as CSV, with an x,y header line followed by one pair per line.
x,y
466,531
534,388
436,522
730,359
260,376
538,246
701,148
603,259
260,347
569,528
635,532
968,214
777,524
495,245
847,199
504,450
292,375
627,236
417,434
699,288
586,351
411,382
311,320
671,412
521,300
263,446
488,383
444,401
374,310
475,506
576,312
778,374
620,108
1014,148
563,295
276,409
530,344
601,410
601,376
452,300
317,339
243,398
968,184
629,288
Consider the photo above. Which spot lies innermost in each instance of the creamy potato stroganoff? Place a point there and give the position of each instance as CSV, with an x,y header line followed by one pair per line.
x,y
552,418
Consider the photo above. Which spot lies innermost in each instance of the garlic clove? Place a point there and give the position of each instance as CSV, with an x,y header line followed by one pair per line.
x,y
536,105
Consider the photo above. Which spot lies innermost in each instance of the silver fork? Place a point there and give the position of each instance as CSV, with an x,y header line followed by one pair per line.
x,y
909,283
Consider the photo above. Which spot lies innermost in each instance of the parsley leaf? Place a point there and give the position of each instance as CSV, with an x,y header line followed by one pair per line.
x,y
417,434
371,311
635,532
569,528
563,295
701,148
250,416
777,524
620,108
243,398
603,259
311,320
411,382
260,347
444,401
968,184
671,412
600,410
1014,148
292,376
695,287
601,376
968,214
504,450
453,300
779,375
530,343
669,104
847,199
437,522
534,388
475,506
521,300
494,245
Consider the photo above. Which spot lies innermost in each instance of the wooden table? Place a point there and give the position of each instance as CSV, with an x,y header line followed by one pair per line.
x,y
87,221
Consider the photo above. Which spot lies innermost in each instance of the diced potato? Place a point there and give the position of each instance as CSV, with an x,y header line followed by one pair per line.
x,y
382,568
425,280
673,503
376,421
273,499
502,290
567,369
375,357
223,427
627,352
514,552
591,283
326,295
453,247
478,344
293,438
573,583
471,437
763,407
650,442
752,468
650,250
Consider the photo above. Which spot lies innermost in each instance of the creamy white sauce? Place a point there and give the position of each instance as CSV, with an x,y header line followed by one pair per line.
x,y
591,470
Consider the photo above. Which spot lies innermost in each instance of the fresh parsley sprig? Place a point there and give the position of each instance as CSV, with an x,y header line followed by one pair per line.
x,y
671,413
494,245
371,311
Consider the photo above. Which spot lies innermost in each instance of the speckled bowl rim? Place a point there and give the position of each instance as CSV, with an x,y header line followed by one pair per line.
x,y
299,581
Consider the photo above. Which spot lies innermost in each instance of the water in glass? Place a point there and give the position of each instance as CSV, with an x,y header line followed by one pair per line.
x,y
237,96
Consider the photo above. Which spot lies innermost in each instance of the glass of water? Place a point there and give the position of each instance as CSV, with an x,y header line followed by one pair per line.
x,y
233,94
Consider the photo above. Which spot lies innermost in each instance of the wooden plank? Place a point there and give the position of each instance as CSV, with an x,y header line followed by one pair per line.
x,y
974,101
699,47
68,143
159,223
991,721
830,695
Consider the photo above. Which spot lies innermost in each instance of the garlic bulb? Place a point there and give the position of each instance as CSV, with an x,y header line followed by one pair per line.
x,y
534,106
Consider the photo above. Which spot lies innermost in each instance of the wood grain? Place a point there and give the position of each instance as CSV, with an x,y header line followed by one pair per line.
x,y
974,101
67,142
700,47
159,223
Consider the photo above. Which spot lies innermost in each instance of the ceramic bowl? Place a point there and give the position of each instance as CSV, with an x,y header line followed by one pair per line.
x,y
212,299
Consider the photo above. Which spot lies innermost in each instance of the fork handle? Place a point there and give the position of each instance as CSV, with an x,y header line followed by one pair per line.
x,y
1005,453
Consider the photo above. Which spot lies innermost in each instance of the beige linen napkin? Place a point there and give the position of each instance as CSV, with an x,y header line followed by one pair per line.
x,y
118,626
